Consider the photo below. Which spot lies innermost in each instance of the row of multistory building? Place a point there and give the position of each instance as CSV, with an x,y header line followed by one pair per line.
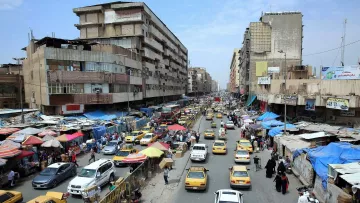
x,y
267,72
200,82
124,53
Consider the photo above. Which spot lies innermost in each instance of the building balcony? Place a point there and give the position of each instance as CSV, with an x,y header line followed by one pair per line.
x,y
134,80
86,77
151,55
154,44
156,33
124,97
8,95
9,79
62,99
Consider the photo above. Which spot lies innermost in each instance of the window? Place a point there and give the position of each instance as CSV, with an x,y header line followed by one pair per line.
x,y
143,31
50,201
5,197
65,88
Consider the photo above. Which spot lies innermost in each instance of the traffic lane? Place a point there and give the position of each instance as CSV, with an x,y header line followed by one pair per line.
x,y
30,193
262,190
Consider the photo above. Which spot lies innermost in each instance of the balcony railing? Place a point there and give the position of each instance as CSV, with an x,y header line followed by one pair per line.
x,y
153,43
86,77
8,95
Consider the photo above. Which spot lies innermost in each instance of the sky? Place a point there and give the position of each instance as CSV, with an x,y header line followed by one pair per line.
x,y
210,29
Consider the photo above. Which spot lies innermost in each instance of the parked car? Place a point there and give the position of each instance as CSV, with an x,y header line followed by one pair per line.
x,y
111,147
54,174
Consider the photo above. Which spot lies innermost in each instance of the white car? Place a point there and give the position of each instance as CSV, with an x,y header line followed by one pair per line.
x,y
199,152
228,196
230,125
148,138
242,156
97,173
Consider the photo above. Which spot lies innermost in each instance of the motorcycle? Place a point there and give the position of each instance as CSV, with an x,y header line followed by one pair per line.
x,y
305,196
136,196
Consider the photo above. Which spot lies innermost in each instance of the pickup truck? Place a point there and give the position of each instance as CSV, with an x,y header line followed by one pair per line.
x,y
199,152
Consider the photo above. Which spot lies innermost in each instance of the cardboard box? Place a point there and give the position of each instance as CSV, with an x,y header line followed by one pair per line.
x,y
166,162
178,154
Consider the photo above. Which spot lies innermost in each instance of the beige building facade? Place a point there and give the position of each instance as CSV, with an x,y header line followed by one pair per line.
x,y
199,81
234,72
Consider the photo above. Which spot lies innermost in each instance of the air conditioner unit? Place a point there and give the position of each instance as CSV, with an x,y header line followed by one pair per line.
x,y
332,118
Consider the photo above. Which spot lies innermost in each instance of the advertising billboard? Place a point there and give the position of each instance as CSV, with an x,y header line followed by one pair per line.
x,y
341,73
338,103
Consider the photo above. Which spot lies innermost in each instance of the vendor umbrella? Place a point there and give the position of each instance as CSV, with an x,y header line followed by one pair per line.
x,y
152,152
47,132
32,140
160,145
11,144
24,154
52,143
3,162
8,151
248,121
134,158
176,127
47,138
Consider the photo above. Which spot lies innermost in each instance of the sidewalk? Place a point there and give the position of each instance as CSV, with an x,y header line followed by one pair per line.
x,y
156,191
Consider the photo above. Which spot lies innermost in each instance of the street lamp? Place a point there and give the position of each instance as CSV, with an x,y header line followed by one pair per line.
x,y
20,88
285,70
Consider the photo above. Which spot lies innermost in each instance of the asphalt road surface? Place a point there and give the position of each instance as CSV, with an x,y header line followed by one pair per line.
x,y
262,190
30,193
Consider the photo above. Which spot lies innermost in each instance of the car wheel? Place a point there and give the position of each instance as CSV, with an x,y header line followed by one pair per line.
x,y
54,184
111,178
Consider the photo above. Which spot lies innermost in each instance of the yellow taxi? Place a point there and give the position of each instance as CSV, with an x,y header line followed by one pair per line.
x,y
182,120
196,178
242,156
147,129
122,153
163,127
10,196
218,115
209,116
53,197
134,136
244,144
219,147
148,138
239,177
209,134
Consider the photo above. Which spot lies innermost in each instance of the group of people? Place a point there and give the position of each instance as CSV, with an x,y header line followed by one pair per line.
x,y
281,180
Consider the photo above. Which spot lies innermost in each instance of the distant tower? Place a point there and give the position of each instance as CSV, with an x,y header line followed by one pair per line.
x,y
343,44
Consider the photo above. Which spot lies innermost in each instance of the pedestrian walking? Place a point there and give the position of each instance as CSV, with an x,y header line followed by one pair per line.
x,y
269,168
284,183
73,159
166,175
92,156
188,142
277,181
197,137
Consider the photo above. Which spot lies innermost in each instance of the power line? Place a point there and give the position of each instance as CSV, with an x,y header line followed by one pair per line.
x,y
333,48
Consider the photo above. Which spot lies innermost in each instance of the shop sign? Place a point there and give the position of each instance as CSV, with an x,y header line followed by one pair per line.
x,y
273,70
264,80
348,113
310,104
72,109
341,73
262,97
290,100
338,103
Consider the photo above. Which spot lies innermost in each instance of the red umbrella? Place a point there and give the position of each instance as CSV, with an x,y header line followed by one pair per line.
x,y
47,132
160,145
8,151
24,154
176,127
134,158
5,131
32,140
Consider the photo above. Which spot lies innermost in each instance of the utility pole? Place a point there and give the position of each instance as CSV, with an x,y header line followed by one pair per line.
x,y
285,99
343,44
18,60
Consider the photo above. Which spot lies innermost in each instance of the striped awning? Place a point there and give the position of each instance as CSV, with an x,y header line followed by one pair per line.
x,y
6,131
8,151
134,158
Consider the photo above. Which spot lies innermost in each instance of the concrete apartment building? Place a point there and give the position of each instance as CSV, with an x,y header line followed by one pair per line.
x,y
124,54
199,81
11,85
214,86
332,98
234,73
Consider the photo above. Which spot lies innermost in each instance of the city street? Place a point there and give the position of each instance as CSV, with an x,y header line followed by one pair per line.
x,y
29,192
262,190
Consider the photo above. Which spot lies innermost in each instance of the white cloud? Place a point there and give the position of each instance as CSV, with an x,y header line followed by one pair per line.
x,y
10,4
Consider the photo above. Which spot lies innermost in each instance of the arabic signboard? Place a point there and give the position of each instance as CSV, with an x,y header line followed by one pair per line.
x,y
72,108
112,16
273,70
349,113
341,73
338,103
264,80
290,100
310,104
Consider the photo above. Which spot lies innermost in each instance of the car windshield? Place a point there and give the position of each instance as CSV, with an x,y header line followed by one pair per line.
x,y
229,122
6,196
241,152
147,136
219,144
87,173
209,131
196,174
134,134
166,109
247,144
198,148
122,153
240,174
48,171
111,144
146,129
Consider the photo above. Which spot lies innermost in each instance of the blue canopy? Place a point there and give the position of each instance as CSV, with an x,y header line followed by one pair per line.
x,y
278,130
107,116
250,99
271,123
333,153
267,116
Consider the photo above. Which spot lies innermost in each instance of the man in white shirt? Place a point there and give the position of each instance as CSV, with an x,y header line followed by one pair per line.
x,y
11,178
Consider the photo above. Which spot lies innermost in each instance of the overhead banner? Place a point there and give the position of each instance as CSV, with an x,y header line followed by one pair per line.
x,y
341,73
271,70
264,80
261,68
310,104
112,16
349,113
337,103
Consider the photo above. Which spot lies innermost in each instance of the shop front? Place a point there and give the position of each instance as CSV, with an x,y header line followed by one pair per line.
x,y
72,141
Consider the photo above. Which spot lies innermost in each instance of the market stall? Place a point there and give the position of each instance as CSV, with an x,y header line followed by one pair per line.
x,y
27,163
47,132
72,141
4,132
32,140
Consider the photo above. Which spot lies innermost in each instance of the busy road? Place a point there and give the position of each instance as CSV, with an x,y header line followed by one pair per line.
x,y
262,189
29,192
